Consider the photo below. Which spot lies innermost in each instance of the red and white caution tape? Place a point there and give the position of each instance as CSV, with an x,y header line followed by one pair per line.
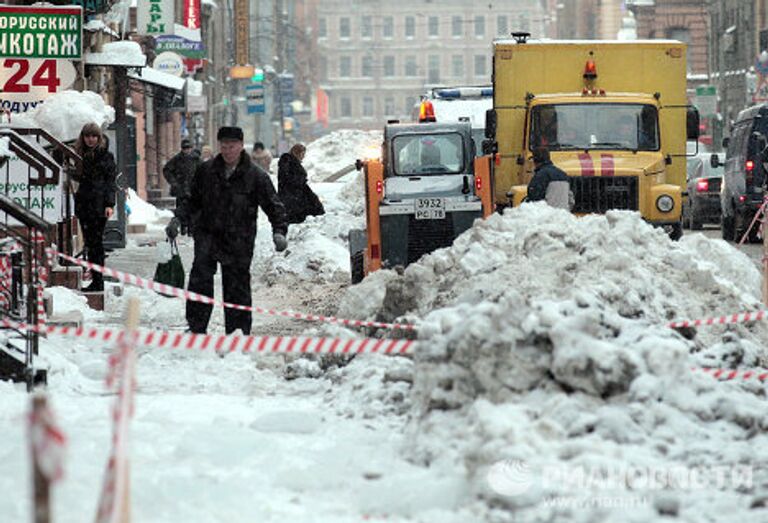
x,y
742,317
229,343
48,442
728,374
162,288
114,499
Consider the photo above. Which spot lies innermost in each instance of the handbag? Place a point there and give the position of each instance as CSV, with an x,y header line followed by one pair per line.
x,y
171,272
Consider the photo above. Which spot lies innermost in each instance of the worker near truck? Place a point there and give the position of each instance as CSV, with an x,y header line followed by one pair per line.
x,y
549,183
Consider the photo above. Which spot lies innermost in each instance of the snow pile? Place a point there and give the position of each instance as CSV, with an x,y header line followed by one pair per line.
x,y
339,149
64,114
125,52
543,348
145,213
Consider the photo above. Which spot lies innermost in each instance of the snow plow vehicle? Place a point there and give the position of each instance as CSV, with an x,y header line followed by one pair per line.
x,y
613,115
426,190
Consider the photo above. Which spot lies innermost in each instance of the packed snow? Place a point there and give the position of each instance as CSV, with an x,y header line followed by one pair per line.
x,y
543,354
143,213
64,114
338,150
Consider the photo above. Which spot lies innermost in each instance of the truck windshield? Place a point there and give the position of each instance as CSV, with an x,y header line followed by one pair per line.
x,y
595,126
424,154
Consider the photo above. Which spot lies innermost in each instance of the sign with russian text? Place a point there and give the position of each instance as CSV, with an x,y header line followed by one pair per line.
x,y
242,28
41,32
192,14
254,95
179,45
48,202
24,84
154,17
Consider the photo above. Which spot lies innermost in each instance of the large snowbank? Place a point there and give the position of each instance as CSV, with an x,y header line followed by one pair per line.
x,y
64,114
543,347
339,149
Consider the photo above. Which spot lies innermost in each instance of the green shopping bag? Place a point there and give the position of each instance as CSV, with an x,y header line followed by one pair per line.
x,y
172,271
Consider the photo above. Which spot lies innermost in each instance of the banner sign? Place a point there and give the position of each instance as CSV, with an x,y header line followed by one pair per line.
x,y
179,45
155,17
24,84
242,26
41,32
254,95
192,14
48,202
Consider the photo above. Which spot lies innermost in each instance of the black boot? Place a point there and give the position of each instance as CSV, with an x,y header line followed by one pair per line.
x,y
97,283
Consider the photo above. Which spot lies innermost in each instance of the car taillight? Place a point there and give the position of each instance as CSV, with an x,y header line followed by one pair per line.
x,y
702,185
478,183
750,165
742,198
379,187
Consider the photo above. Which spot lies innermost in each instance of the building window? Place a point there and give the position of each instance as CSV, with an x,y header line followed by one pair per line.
x,y
388,27
410,27
389,106
322,28
457,27
457,66
389,66
410,66
479,26
345,67
523,24
367,67
345,29
502,26
434,69
345,107
410,107
367,106
480,65
434,26
366,27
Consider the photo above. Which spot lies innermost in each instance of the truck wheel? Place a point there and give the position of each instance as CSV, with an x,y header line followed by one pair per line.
x,y
728,228
356,267
677,231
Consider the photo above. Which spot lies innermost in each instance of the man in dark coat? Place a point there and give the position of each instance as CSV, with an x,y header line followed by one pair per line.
x,y
178,171
292,188
226,194
549,182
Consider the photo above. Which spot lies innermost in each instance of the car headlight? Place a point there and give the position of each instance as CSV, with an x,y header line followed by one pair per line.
x,y
665,203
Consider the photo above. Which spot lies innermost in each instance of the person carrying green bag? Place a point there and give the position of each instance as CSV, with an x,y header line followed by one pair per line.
x,y
171,271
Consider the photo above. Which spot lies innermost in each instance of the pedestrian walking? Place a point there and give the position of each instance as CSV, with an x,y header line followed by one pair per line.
x,y
225,197
178,172
549,182
292,188
261,156
95,195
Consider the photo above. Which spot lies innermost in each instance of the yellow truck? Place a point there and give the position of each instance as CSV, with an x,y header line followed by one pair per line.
x,y
613,115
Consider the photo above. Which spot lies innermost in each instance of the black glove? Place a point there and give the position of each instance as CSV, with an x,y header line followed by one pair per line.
x,y
172,230
280,242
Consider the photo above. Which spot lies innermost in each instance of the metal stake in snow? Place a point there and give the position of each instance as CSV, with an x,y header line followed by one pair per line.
x,y
114,503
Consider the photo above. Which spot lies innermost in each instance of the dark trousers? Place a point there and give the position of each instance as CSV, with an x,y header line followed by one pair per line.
x,y
236,283
93,232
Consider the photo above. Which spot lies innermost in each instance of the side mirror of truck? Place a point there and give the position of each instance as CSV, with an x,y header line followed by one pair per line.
x,y
490,123
358,164
692,123
714,161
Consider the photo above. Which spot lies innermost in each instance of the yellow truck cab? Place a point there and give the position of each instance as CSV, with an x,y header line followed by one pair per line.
x,y
613,115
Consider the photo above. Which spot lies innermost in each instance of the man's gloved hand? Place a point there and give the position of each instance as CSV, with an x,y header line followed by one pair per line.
x,y
172,230
280,242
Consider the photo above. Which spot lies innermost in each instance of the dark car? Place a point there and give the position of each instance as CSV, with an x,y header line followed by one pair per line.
x,y
703,202
744,175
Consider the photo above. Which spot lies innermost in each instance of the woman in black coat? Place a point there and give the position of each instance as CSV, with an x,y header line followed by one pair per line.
x,y
292,188
95,195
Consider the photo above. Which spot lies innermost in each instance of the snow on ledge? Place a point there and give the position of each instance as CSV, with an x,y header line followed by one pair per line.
x,y
124,53
153,76
64,114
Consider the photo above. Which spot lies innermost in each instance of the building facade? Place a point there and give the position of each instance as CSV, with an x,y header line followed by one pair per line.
x,y
377,58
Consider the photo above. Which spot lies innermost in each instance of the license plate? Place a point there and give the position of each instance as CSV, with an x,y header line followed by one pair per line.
x,y
430,208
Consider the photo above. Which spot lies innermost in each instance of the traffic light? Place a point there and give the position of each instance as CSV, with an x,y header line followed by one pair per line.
x,y
258,75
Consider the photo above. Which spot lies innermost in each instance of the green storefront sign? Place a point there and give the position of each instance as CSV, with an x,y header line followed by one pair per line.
x,y
41,32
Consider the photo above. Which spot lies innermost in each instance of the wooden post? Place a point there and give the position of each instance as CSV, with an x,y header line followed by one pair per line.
x,y
42,486
131,324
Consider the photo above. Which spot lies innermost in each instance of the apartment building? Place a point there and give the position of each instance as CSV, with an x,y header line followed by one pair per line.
x,y
376,58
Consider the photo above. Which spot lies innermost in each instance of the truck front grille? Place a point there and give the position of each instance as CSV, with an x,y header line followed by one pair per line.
x,y
598,194
425,236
